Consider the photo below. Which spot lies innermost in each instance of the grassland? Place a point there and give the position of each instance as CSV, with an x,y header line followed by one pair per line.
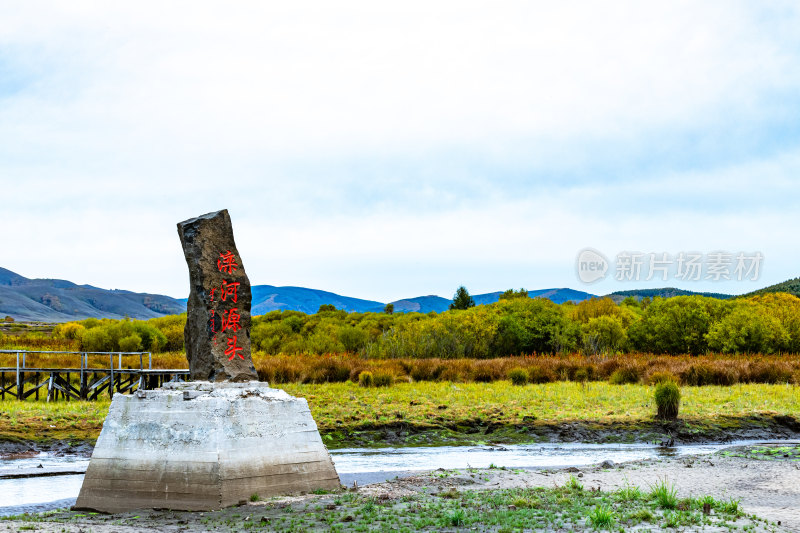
x,y
40,421
429,413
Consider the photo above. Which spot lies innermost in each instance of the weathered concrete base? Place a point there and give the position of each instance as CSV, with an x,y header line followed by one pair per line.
x,y
202,446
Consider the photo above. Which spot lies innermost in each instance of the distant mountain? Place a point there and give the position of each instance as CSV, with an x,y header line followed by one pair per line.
x,y
667,292
792,286
421,304
55,300
426,304
268,298
560,296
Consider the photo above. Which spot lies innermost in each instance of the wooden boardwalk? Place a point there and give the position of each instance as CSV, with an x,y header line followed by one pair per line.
x,y
84,381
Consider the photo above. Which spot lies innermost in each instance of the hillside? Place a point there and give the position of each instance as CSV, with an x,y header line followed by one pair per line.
x,y
792,286
667,292
426,304
55,300
268,298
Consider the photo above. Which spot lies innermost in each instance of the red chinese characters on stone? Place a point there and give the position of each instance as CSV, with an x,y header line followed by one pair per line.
x,y
233,350
230,320
227,290
226,262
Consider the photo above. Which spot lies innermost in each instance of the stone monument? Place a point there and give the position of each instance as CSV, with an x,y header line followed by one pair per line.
x,y
222,437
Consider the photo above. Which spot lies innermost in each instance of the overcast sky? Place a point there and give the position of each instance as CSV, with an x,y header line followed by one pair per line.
x,y
387,150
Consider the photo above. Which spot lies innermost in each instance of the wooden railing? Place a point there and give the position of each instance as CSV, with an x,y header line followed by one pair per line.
x,y
93,375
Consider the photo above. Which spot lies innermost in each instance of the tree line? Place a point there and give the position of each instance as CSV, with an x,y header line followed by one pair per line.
x,y
515,325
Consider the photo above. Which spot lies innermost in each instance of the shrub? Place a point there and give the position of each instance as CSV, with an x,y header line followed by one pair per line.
x,y
661,377
772,372
624,375
518,376
698,375
537,374
668,399
382,379
131,343
365,379
583,374
426,370
485,372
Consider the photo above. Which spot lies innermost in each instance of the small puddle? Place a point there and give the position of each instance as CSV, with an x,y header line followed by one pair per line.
x,y
362,465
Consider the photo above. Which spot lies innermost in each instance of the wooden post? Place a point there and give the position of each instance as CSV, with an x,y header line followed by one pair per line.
x,y
19,380
82,392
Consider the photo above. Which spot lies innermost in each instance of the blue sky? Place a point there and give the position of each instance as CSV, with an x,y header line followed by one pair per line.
x,y
392,151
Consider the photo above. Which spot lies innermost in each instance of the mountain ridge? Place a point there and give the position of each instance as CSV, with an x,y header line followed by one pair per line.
x,y
57,300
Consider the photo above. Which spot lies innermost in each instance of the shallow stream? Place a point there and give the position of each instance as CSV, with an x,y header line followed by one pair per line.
x,y
56,483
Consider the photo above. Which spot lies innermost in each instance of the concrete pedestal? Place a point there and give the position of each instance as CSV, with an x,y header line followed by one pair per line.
x,y
203,446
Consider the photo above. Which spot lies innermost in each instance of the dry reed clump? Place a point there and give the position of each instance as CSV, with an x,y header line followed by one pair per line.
x,y
626,368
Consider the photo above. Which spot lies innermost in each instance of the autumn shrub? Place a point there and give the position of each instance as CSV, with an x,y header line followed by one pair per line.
x,y
425,369
537,374
487,371
328,369
518,376
668,399
366,379
383,379
698,375
624,375
771,372
657,378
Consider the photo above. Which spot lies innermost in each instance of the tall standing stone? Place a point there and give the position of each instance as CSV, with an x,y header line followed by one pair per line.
x,y
200,445
217,330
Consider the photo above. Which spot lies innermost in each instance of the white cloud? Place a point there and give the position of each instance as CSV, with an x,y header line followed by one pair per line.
x,y
363,146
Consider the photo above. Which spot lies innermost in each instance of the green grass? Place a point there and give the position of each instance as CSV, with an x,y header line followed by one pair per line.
x,y
664,494
768,453
434,402
602,517
42,421
507,510
343,409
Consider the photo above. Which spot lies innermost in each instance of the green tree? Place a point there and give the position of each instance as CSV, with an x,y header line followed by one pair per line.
x,y
389,309
462,299
603,334
510,294
326,307
748,329
131,343
676,325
